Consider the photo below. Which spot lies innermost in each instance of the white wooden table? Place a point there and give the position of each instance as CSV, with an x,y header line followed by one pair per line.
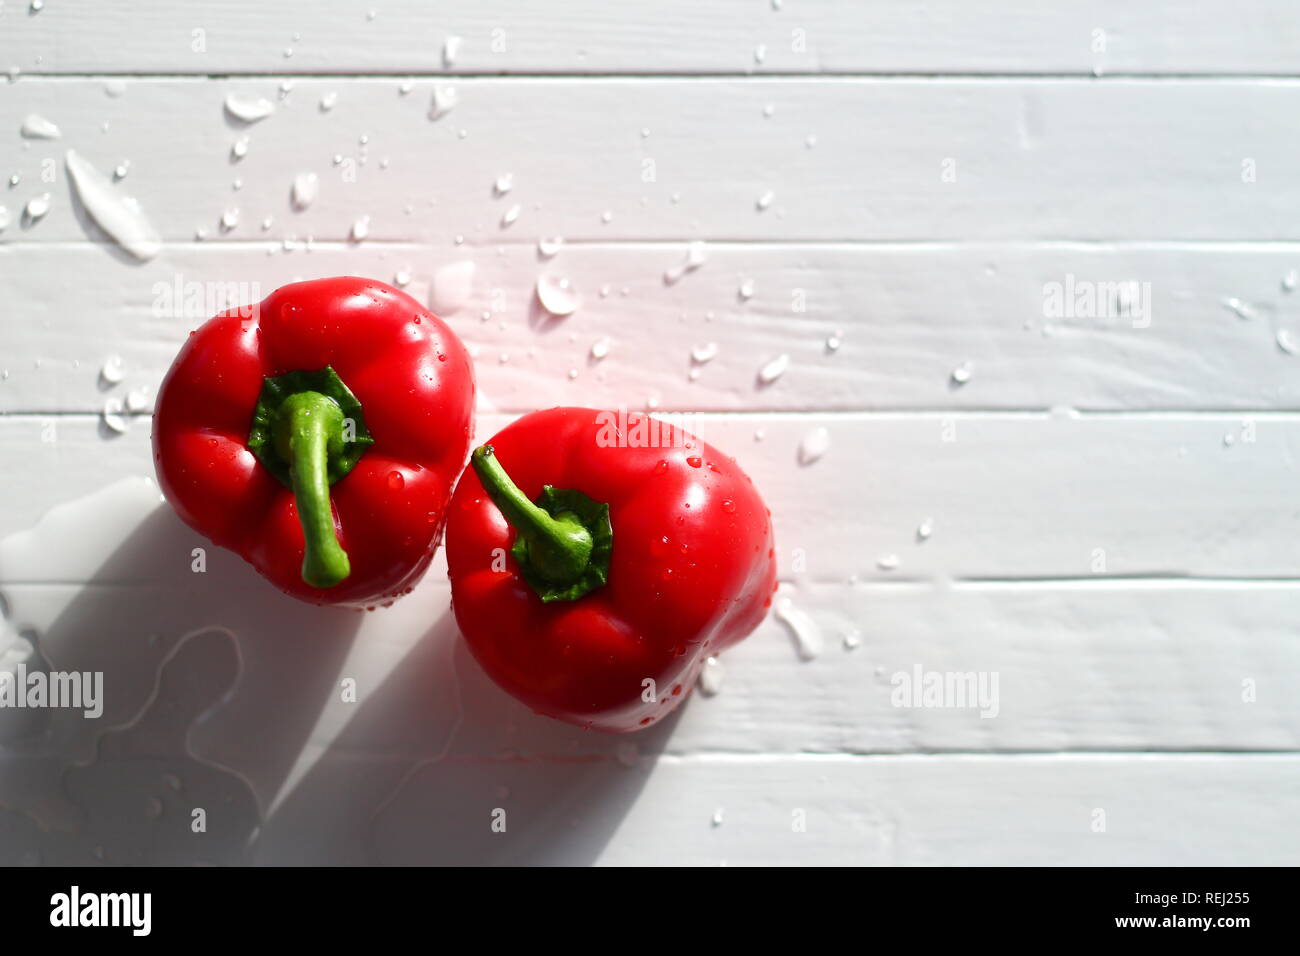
x,y
1110,488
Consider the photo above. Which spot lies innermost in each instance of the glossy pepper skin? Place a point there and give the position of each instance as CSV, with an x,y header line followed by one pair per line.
x,y
318,435
690,564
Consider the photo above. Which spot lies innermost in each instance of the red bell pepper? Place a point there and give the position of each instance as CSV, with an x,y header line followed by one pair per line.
x,y
597,560
318,436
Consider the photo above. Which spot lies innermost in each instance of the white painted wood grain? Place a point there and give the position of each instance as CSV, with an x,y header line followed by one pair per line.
x,y
673,36
1009,497
1188,810
1111,501
907,316
903,159
1100,663
1117,666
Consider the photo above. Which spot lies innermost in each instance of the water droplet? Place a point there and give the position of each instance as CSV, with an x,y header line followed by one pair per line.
x,y
807,635
112,414
711,677
852,639
111,371
229,219
396,481
37,207
887,562
37,6
661,468
760,53
36,126
306,186
600,348
4,218
810,141
1286,341
728,506
549,248
815,444
360,229
834,341
573,374
696,254
239,148
557,296
1229,439
695,461
1289,281
137,400
1237,307
925,529
450,50
765,200
626,753
405,87
328,101
769,111
510,216
504,184
746,290
249,109
773,370
961,374
451,287
402,278
444,101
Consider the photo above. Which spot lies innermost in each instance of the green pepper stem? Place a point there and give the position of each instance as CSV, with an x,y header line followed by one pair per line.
x,y
308,432
559,546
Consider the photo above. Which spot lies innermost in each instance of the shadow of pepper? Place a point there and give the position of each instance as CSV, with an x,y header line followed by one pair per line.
x,y
222,695
161,636
438,766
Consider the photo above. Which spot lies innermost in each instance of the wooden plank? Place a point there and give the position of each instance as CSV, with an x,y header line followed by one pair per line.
x,y
676,36
877,811
1103,663
1118,667
1015,496
906,316
901,159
